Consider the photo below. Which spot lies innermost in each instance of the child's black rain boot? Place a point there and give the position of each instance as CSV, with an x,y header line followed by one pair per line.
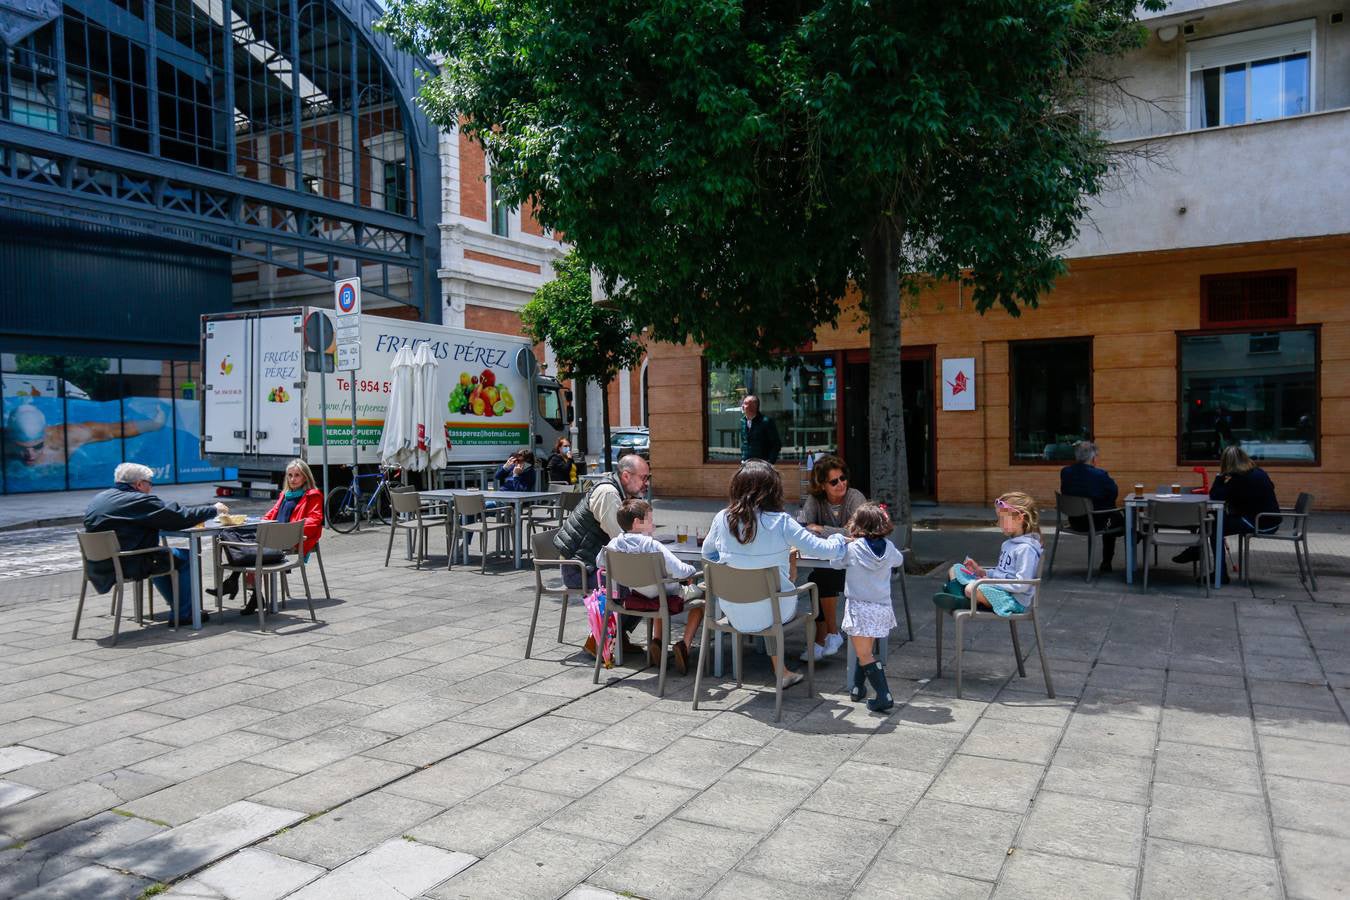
x,y
859,691
876,676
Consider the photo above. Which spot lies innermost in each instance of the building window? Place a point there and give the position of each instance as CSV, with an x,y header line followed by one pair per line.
x,y
1051,398
1256,389
1251,76
802,400
396,187
501,214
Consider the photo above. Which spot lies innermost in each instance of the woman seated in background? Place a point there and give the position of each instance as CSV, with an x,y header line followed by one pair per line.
x,y
827,509
559,465
1247,491
518,472
301,501
753,532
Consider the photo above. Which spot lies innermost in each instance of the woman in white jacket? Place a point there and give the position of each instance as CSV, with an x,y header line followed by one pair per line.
x,y
753,532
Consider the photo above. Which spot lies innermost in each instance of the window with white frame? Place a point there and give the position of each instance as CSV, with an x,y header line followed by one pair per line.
x,y
1251,76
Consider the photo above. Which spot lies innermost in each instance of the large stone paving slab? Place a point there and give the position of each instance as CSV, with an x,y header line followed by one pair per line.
x,y
199,842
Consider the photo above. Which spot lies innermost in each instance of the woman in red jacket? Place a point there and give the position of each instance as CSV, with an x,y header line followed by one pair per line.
x,y
302,501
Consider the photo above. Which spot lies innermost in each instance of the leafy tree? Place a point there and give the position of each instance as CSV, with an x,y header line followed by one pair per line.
x,y
731,167
591,341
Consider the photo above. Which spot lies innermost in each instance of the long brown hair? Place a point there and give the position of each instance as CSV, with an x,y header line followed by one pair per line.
x,y
1235,461
820,474
756,488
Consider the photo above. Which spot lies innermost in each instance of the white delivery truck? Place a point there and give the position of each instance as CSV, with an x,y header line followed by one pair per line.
x,y
261,394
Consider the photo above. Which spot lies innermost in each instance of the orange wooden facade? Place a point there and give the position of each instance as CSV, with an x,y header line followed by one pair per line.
x,y
1132,307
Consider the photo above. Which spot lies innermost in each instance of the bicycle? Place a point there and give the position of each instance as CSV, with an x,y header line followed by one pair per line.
x,y
348,505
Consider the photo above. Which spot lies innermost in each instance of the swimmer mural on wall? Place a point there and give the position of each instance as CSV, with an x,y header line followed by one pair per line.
x,y
52,442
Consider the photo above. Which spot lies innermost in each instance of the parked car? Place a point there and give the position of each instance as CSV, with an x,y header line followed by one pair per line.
x,y
634,437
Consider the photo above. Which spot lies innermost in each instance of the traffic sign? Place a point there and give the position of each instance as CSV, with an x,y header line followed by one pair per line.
x,y
347,316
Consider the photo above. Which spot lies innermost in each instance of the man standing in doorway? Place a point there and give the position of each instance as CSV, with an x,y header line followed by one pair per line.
x,y
759,436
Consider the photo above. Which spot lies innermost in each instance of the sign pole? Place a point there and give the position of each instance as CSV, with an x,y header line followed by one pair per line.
x,y
323,438
347,312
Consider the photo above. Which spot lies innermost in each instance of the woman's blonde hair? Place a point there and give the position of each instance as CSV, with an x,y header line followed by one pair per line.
x,y
1235,461
1023,504
304,469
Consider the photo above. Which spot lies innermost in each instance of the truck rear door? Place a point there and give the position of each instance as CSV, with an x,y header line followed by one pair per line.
x,y
277,389
226,363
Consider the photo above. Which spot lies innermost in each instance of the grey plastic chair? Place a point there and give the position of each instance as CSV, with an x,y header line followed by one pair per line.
x,y
471,516
289,538
640,569
543,516
1178,523
546,558
1069,507
1299,514
728,585
98,546
962,616
410,514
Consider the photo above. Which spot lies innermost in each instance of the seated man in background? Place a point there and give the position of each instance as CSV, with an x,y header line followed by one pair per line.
x,y
137,516
1083,479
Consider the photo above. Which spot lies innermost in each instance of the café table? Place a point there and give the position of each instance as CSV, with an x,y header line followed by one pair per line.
x,y
212,529
515,499
1135,502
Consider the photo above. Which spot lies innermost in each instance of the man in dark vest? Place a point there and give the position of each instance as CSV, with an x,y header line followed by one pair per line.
x,y
594,521
136,515
759,436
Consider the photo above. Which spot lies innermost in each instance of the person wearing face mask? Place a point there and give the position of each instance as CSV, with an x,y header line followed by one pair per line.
x,y
827,509
560,466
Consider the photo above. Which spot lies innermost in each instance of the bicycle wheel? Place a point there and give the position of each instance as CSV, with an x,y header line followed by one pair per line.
x,y
378,509
342,510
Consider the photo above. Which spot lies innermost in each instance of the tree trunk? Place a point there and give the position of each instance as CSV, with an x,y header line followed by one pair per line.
x,y
604,403
886,417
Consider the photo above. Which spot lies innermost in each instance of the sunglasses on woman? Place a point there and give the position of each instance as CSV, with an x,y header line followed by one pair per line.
x,y
834,482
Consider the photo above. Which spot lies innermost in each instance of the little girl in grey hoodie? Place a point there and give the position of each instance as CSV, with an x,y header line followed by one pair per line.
x,y
1019,557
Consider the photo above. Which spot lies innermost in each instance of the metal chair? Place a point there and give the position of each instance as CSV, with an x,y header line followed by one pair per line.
x,y
546,556
471,516
551,515
410,514
962,616
100,546
728,585
287,537
1177,523
1069,508
642,569
1298,536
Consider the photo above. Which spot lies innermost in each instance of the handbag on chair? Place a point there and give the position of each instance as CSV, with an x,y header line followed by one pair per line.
x,y
247,556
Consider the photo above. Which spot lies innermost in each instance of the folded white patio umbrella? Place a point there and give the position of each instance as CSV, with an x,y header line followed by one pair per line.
x,y
398,440
429,411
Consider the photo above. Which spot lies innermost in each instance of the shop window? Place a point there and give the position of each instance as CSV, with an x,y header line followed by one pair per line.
x,y
1251,76
802,400
1051,398
1256,389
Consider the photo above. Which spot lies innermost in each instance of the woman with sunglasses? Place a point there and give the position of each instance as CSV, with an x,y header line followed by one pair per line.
x,y
828,506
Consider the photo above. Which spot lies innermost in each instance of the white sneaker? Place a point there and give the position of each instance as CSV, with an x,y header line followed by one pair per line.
x,y
833,644
812,649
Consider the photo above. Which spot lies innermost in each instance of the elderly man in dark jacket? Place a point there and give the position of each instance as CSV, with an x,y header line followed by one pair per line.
x,y
137,516
1083,479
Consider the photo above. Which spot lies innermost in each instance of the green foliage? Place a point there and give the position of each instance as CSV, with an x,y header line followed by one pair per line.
x,y
726,164
590,341
84,371
153,890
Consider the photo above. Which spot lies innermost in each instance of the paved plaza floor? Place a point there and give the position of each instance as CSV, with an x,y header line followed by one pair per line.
x,y
403,747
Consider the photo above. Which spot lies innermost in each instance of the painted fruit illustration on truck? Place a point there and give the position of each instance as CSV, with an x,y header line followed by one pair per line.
x,y
480,395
